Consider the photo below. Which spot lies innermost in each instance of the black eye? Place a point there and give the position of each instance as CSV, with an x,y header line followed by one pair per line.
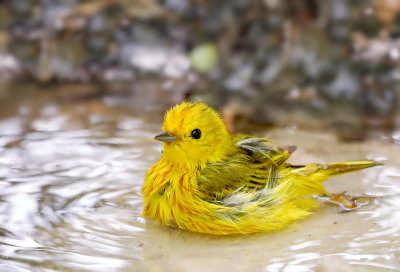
x,y
196,133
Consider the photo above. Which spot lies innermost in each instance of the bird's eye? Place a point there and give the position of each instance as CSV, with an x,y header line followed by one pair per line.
x,y
196,133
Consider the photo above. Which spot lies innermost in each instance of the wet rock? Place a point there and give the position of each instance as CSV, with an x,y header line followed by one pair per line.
x,y
10,68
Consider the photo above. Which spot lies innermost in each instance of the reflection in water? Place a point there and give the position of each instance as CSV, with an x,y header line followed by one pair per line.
x,y
70,200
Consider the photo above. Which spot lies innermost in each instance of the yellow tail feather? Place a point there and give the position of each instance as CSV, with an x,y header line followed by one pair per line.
x,y
322,172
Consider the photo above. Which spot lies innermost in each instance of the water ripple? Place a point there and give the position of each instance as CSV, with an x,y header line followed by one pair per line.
x,y
70,201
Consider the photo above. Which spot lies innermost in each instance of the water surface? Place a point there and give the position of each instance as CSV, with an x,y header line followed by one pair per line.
x,y
70,179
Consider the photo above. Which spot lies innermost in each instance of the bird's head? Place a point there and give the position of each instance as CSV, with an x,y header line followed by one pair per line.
x,y
194,133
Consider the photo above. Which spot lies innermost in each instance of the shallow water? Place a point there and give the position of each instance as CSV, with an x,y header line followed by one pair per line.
x,y
70,179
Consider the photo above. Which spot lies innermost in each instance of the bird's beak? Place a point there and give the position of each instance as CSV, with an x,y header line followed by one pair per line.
x,y
166,137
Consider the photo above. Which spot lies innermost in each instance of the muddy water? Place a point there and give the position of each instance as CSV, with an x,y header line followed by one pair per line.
x,y
70,179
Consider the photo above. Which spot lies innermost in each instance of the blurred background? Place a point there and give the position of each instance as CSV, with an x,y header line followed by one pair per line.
x,y
313,64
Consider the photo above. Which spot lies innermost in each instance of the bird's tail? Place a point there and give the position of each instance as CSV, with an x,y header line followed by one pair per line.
x,y
320,172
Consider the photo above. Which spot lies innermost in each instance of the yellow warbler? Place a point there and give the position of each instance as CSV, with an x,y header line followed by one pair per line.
x,y
210,181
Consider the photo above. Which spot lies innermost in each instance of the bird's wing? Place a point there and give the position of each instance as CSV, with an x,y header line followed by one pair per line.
x,y
263,150
254,165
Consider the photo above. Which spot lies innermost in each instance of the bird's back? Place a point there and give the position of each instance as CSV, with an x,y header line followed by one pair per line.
x,y
254,165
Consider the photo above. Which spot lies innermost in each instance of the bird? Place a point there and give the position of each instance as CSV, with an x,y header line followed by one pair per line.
x,y
210,181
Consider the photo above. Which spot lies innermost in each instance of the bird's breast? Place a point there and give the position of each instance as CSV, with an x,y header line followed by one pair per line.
x,y
170,193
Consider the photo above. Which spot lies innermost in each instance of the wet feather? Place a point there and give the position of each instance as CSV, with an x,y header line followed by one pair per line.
x,y
224,184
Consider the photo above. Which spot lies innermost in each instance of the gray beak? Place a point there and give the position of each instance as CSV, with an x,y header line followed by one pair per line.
x,y
166,137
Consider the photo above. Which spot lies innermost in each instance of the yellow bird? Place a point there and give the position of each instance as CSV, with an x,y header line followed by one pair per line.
x,y
210,181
